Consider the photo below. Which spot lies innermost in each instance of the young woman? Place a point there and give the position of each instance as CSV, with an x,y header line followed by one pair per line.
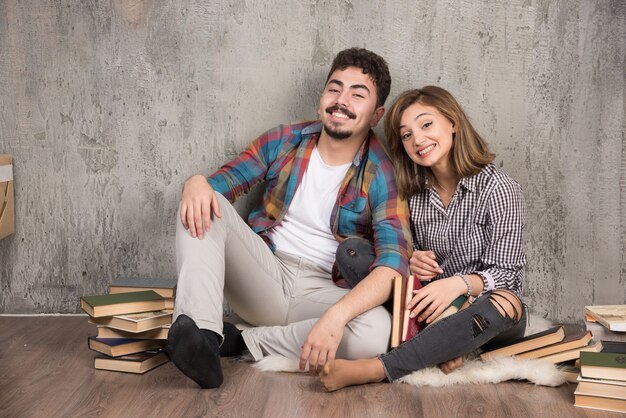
x,y
467,219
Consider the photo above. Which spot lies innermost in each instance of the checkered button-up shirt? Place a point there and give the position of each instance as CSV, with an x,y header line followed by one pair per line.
x,y
479,232
367,205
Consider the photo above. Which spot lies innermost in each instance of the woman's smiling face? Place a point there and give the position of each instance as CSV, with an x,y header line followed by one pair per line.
x,y
426,135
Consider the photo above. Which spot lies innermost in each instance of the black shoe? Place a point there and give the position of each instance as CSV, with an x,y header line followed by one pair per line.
x,y
195,353
233,344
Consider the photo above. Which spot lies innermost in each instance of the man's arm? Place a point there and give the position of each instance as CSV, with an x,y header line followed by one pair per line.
x,y
392,239
323,340
232,180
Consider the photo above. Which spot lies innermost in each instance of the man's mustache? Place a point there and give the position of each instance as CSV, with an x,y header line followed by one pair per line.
x,y
345,111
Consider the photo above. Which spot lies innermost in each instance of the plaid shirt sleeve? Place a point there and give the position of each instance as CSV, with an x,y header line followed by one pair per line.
x,y
390,221
504,256
238,176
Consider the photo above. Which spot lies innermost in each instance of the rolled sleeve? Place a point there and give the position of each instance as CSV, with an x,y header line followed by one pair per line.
x,y
240,175
390,219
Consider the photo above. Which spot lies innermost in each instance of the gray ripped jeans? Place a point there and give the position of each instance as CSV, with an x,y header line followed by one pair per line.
x,y
479,325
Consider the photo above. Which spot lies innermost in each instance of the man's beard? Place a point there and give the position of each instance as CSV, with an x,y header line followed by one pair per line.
x,y
336,134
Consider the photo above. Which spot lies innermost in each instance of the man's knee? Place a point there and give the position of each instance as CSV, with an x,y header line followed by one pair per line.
x,y
368,335
507,303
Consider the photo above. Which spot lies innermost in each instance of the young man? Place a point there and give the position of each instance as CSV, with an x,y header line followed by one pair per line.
x,y
325,181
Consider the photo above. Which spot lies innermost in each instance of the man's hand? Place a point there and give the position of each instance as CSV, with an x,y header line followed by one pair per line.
x,y
197,204
431,300
321,344
424,265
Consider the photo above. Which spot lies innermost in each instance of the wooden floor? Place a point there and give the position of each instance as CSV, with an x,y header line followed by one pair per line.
x,y
46,370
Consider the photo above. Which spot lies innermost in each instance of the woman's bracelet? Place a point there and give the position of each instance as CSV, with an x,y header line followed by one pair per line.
x,y
468,284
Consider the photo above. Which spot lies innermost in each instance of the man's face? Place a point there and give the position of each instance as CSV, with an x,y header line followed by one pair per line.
x,y
348,104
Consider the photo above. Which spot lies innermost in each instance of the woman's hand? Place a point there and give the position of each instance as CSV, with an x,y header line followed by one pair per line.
x,y
424,265
431,300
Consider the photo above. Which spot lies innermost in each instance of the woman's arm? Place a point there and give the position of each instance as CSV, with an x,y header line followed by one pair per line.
x,y
503,257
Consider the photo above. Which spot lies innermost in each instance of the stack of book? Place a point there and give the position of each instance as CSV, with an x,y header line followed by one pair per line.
x,y
607,322
132,324
602,382
602,378
556,345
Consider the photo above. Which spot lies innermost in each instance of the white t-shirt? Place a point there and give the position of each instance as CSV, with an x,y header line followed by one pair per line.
x,y
305,229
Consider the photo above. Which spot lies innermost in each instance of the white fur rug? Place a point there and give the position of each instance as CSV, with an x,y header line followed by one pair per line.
x,y
473,370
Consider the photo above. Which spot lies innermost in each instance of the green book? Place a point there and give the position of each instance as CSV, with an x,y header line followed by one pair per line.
x,y
610,366
164,287
458,302
122,303
453,308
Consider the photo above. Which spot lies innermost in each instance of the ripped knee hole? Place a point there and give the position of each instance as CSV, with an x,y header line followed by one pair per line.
x,y
479,324
507,303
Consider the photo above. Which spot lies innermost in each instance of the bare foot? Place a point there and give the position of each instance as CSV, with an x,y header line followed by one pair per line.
x,y
451,365
338,374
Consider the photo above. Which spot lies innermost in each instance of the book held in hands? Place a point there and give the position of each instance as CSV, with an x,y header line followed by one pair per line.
x,y
404,327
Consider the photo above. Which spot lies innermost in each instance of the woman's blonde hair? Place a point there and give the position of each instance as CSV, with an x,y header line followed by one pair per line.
x,y
469,153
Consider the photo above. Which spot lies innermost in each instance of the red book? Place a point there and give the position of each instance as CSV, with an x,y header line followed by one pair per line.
x,y
410,326
403,327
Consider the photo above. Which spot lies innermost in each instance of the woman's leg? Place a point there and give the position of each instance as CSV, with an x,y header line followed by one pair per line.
x,y
454,336
354,258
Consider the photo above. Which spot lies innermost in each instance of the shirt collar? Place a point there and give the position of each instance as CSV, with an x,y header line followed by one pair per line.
x,y
469,182
316,128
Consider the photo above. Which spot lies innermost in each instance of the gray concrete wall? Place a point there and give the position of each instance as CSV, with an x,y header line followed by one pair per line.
x,y
107,106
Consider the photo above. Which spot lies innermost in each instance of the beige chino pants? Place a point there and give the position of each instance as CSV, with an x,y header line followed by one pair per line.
x,y
280,294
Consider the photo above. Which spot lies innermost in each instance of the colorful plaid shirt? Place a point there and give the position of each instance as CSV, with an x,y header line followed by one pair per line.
x,y
367,205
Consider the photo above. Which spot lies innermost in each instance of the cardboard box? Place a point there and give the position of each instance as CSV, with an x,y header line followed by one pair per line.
x,y
7,209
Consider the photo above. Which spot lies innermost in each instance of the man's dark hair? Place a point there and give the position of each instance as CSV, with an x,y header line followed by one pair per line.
x,y
371,64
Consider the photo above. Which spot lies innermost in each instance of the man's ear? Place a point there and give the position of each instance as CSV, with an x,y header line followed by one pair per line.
x,y
378,115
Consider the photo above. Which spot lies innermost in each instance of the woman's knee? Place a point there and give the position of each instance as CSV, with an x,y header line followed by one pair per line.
x,y
354,257
507,303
